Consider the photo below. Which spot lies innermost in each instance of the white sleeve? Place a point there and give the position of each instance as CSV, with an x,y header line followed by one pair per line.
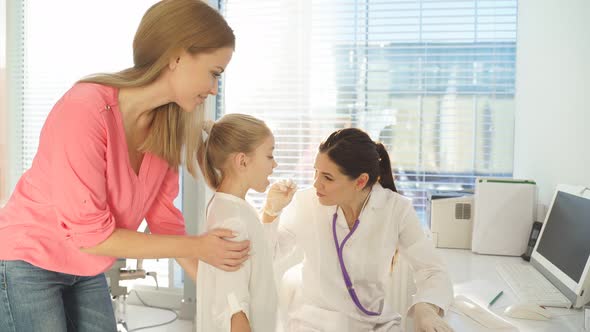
x,y
281,234
231,294
430,274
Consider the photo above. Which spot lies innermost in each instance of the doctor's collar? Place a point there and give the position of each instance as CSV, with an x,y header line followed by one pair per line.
x,y
378,197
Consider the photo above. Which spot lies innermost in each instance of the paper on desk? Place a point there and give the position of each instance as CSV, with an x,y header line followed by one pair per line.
x,y
482,292
467,307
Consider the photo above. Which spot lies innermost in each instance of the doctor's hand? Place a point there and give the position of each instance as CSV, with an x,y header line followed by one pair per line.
x,y
427,319
279,196
215,250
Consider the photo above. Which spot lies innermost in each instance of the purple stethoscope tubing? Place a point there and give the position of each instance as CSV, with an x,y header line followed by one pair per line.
x,y
347,281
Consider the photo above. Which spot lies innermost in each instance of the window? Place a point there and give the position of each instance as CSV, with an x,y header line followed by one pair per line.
x,y
42,67
432,80
3,105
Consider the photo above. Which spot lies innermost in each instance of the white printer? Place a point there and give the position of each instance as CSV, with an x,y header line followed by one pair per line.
x,y
451,219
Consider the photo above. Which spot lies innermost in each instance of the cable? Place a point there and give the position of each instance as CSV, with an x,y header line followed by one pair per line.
x,y
155,307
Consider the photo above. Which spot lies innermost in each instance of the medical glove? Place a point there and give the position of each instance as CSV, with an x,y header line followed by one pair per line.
x,y
427,319
279,195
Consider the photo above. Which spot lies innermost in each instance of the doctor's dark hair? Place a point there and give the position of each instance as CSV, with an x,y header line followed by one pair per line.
x,y
356,153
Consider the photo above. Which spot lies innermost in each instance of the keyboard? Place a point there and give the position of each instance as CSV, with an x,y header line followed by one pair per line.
x,y
531,286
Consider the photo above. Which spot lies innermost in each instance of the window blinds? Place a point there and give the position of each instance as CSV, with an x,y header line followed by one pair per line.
x,y
432,80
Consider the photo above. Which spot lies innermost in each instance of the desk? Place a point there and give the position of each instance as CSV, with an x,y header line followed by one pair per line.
x,y
465,266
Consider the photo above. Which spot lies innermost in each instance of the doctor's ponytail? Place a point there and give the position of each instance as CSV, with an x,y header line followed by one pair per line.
x,y
386,174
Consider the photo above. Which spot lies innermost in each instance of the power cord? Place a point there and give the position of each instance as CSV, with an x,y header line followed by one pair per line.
x,y
155,307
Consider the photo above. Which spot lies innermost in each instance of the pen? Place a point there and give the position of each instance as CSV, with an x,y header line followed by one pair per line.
x,y
495,298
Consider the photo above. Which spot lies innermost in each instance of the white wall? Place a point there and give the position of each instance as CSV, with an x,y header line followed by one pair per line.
x,y
552,129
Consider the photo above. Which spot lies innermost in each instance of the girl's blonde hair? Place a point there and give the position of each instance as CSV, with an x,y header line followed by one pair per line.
x,y
233,133
166,28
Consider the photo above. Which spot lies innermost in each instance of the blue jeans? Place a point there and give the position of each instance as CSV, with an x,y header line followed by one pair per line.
x,y
34,299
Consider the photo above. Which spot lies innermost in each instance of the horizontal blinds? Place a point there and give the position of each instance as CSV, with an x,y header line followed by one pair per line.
x,y
433,80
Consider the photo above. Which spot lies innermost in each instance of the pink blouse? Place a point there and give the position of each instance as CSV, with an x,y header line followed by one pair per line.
x,y
81,187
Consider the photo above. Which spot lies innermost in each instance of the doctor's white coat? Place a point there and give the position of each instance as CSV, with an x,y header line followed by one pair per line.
x,y
388,222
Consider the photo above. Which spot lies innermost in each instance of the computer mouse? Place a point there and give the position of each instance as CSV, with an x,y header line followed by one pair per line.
x,y
528,311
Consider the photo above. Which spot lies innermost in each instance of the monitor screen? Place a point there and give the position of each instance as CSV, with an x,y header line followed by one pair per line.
x,y
566,239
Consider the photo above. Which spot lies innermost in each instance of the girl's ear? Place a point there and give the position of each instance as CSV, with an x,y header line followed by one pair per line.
x,y
240,161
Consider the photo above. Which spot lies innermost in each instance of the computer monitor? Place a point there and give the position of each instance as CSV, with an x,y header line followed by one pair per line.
x,y
562,251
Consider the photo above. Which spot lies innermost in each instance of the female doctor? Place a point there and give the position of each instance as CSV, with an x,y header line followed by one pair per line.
x,y
349,226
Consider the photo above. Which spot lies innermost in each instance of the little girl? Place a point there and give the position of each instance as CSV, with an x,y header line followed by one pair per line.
x,y
238,156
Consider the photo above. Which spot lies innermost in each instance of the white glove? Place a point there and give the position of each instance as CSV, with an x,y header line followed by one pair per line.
x,y
427,319
279,195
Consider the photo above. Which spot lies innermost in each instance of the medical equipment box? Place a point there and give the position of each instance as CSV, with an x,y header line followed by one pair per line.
x,y
504,212
451,221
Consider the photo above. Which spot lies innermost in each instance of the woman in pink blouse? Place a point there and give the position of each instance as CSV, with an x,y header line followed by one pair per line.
x,y
108,157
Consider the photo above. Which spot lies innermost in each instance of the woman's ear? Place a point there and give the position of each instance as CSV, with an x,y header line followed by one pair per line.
x,y
175,59
361,181
173,62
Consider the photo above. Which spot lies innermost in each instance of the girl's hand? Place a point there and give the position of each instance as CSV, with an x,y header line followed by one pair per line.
x,y
215,250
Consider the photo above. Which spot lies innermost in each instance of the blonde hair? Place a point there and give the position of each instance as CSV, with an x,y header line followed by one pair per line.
x,y
166,28
233,133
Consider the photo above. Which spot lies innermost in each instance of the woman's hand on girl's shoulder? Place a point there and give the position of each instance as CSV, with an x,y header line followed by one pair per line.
x,y
215,249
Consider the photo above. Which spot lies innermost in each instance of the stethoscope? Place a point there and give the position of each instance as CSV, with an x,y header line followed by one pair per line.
x,y
340,250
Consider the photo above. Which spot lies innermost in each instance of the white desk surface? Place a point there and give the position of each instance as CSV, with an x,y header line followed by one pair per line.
x,y
467,267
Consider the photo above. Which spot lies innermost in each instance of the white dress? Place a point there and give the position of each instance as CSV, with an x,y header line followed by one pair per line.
x,y
388,221
251,289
